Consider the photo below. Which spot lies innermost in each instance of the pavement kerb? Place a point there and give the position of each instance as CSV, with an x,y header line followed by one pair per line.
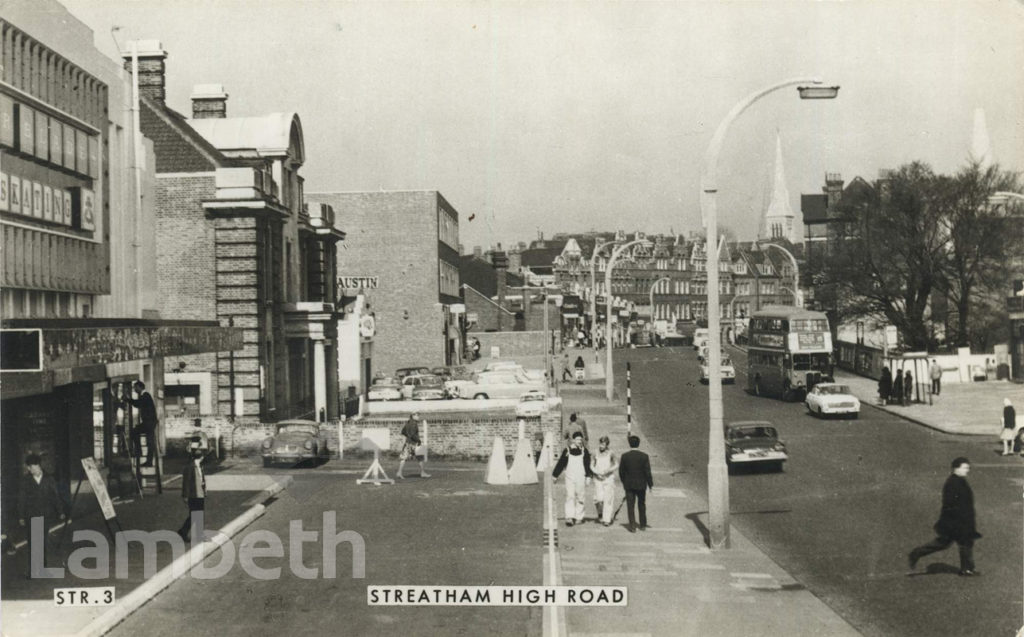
x,y
554,622
178,568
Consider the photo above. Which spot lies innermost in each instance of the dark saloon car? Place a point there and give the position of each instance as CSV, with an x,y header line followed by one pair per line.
x,y
296,441
754,442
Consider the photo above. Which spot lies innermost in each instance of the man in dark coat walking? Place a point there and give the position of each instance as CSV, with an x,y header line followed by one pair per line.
x,y
38,498
193,491
147,421
956,521
635,473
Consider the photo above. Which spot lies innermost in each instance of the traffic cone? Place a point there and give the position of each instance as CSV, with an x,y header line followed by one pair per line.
x,y
546,452
497,470
523,471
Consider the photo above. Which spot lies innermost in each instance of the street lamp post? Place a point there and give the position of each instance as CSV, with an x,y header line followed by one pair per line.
x,y
718,472
609,376
654,285
798,297
593,292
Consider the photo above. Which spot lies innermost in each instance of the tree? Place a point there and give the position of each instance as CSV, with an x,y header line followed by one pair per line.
x,y
890,250
981,245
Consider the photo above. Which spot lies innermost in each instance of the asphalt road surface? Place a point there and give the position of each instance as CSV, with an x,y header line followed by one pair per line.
x,y
854,498
451,529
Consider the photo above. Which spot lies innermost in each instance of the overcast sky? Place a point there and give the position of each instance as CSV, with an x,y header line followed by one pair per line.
x,y
543,116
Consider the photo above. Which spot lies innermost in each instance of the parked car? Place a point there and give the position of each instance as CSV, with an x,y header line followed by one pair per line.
x,y
504,366
296,441
507,384
832,398
754,442
411,382
532,403
385,389
429,388
728,372
402,372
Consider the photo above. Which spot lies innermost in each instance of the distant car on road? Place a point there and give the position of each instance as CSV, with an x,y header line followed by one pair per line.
x,y
385,389
429,388
754,442
296,441
832,398
700,338
728,372
532,403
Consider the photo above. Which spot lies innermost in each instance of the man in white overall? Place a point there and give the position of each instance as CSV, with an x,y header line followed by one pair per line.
x,y
575,461
604,465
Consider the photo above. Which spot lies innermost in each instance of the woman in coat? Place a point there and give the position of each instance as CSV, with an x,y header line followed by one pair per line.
x,y
897,389
1009,427
885,385
908,389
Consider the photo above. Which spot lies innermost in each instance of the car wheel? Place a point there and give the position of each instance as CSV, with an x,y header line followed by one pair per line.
x,y
267,462
820,413
480,397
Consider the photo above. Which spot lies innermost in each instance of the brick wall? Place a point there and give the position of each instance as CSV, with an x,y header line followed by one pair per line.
x,y
394,236
448,435
512,344
185,259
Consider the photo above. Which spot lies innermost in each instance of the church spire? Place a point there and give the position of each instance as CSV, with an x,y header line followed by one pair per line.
x,y
981,149
779,220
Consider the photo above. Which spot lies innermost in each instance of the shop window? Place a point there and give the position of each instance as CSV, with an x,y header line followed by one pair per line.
x,y
181,400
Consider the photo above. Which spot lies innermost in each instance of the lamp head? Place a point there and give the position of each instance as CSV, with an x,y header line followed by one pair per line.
x,y
818,92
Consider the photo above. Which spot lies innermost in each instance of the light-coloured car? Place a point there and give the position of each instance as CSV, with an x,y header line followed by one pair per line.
x,y
754,442
532,403
296,441
384,389
728,372
832,398
429,388
700,338
499,385
504,366
411,382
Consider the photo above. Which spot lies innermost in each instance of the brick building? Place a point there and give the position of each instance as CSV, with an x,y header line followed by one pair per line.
x,y
237,246
79,302
402,256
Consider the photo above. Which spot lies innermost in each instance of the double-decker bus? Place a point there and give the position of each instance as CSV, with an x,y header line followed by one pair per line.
x,y
789,351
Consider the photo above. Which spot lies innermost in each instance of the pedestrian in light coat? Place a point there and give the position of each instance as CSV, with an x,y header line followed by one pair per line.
x,y
604,465
956,521
935,371
885,385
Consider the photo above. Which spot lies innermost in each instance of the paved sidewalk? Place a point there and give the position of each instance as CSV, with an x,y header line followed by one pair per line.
x,y
677,585
961,408
27,605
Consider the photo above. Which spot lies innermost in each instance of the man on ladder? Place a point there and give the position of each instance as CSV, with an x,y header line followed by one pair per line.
x,y
147,421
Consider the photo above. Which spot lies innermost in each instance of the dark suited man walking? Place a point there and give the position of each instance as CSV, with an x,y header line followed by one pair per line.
x,y
635,473
956,520
38,498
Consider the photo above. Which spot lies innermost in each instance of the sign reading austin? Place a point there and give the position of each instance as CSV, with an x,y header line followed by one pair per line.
x,y
358,282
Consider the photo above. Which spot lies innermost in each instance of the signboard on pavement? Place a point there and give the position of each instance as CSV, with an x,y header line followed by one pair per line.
x,y
99,488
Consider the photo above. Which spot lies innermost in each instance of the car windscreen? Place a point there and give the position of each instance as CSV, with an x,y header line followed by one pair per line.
x,y
297,429
745,433
835,389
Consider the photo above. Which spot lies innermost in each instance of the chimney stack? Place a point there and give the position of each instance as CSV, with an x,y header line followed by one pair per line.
x,y
152,68
209,101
